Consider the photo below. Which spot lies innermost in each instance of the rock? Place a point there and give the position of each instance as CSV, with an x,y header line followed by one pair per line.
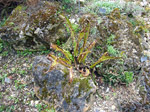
x,y
102,10
53,87
7,80
35,27
143,58
121,34
113,107
72,20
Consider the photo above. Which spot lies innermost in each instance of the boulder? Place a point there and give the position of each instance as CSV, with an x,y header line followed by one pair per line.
x,y
54,88
33,27
126,38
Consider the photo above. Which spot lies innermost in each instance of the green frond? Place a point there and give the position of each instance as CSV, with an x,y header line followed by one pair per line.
x,y
87,31
71,30
81,35
103,58
53,65
82,56
67,54
64,62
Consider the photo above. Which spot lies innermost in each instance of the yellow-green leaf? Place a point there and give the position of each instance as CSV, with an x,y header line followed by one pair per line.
x,y
81,35
87,30
103,58
82,55
66,53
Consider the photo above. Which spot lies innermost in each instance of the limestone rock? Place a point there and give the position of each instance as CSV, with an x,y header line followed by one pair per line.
x,y
125,38
53,88
33,27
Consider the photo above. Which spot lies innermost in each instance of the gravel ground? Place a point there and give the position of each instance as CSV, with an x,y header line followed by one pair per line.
x,y
17,94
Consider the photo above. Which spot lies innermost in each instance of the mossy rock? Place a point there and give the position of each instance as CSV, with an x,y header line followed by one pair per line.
x,y
128,37
54,88
33,27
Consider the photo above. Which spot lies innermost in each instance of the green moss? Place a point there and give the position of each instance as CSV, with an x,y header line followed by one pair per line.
x,y
68,99
17,15
115,14
84,85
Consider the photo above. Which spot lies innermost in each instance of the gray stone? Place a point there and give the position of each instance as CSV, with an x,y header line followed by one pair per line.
x,y
54,87
34,29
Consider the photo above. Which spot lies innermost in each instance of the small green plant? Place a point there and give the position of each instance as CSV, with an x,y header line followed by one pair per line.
x,y
19,85
111,50
3,22
22,72
128,77
5,53
1,47
2,78
75,27
58,42
76,57
67,5
39,107
4,108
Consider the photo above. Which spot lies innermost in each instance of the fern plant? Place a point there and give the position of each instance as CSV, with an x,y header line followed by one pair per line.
x,y
76,58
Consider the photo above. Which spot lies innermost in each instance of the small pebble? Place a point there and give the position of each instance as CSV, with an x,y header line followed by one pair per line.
x,y
102,10
107,90
113,107
36,102
7,80
143,58
24,64
32,103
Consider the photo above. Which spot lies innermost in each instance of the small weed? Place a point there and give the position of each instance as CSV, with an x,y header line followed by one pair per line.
x,y
110,39
25,52
45,52
5,66
13,70
3,22
30,66
107,97
111,50
128,77
19,85
99,65
39,107
58,42
75,27
4,108
2,78
15,99
0,95
22,72
5,53
1,47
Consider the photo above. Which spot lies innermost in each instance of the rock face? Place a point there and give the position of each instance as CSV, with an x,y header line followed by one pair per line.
x,y
54,88
33,27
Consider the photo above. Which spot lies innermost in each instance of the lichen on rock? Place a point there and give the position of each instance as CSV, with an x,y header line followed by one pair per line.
x,y
126,37
54,87
34,27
